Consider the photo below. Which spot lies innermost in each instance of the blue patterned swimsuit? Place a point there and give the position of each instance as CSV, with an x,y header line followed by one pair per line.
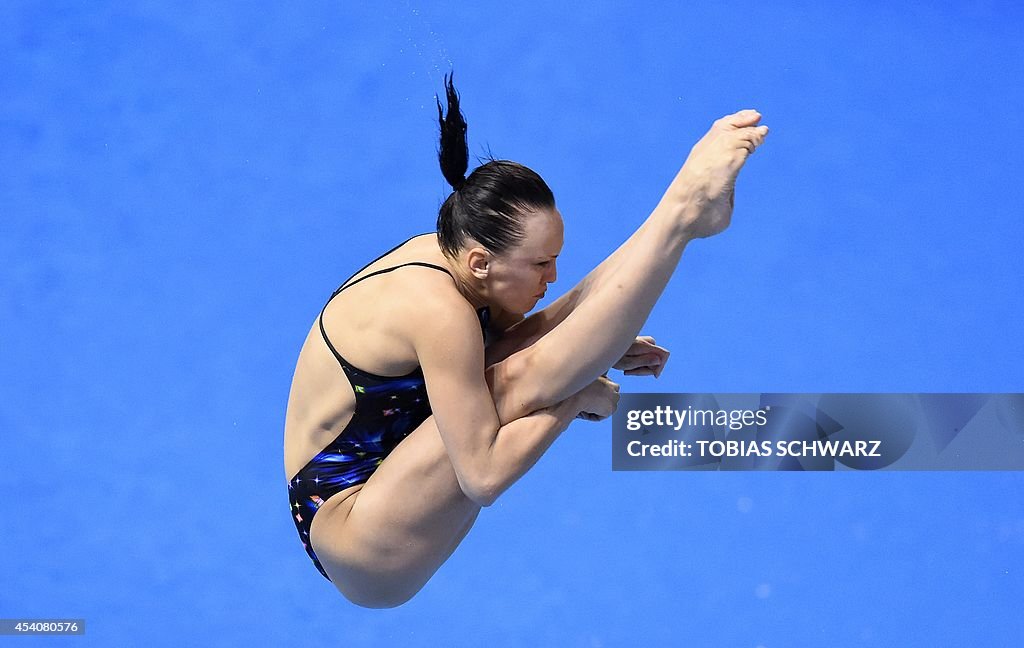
x,y
387,409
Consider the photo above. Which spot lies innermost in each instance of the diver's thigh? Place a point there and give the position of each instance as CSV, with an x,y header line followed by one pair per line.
x,y
402,525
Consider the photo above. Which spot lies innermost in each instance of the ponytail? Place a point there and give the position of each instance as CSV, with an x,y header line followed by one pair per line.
x,y
453,153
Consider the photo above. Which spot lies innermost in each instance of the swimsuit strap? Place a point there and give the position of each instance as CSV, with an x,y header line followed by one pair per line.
x,y
346,365
377,272
380,257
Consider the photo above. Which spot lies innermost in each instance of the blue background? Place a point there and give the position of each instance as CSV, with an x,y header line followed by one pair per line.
x,y
183,184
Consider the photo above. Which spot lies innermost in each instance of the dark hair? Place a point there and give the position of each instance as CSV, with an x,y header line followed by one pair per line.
x,y
489,205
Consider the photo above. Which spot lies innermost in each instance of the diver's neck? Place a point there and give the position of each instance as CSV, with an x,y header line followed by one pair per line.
x,y
468,286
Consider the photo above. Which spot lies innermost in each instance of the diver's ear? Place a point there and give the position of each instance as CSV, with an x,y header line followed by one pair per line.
x,y
479,261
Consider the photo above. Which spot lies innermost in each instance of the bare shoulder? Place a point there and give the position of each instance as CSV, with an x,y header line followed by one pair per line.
x,y
439,310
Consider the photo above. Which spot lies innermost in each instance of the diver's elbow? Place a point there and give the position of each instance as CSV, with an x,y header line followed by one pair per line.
x,y
481,491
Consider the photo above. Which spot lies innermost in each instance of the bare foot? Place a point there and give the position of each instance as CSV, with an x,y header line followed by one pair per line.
x,y
707,180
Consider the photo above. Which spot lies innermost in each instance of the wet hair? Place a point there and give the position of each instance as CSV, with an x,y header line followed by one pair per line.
x,y
490,205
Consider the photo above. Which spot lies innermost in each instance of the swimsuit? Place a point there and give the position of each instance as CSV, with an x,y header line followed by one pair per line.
x,y
387,409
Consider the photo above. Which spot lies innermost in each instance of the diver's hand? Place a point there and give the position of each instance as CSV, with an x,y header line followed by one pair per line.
x,y
643,358
598,400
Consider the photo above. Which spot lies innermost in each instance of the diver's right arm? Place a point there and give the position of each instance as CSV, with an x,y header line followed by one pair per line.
x,y
489,453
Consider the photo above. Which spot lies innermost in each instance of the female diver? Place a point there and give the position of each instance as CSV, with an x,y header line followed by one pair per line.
x,y
445,394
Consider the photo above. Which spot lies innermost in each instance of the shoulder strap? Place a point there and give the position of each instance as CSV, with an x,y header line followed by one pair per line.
x,y
379,257
401,265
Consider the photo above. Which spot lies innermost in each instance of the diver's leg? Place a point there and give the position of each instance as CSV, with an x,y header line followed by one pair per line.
x,y
607,309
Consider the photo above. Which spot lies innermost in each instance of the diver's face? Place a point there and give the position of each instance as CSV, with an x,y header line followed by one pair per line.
x,y
519,277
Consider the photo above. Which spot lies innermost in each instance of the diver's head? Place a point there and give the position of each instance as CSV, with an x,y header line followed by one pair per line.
x,y
499,227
